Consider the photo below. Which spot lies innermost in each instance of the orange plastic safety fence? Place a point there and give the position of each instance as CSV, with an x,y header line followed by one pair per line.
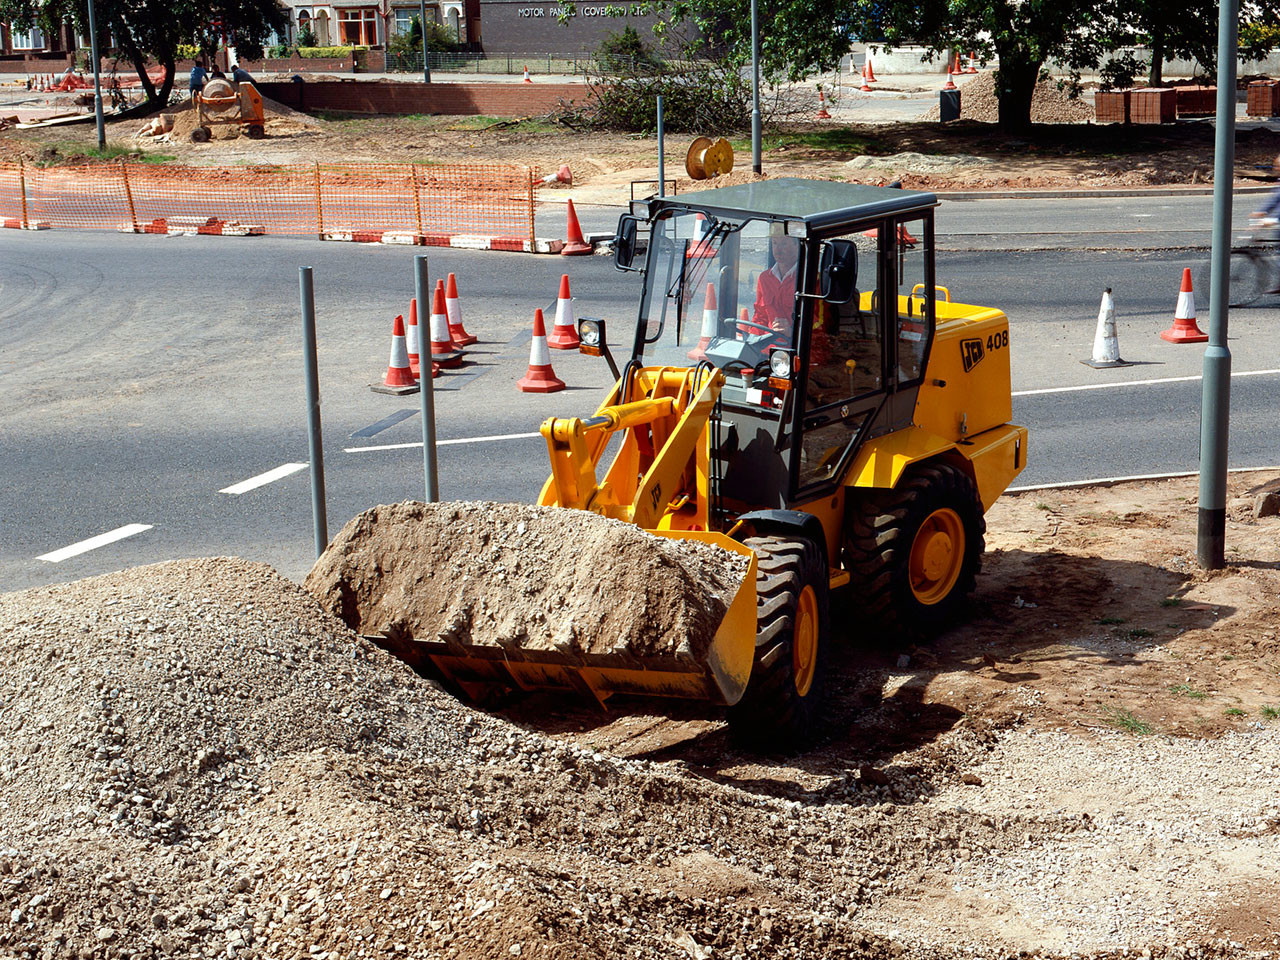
x,y
433,202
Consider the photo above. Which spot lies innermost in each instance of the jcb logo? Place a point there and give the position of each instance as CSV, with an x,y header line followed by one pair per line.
x,y
972,353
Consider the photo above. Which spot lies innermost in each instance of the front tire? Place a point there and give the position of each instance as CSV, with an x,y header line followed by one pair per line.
x,y
781,709
915,551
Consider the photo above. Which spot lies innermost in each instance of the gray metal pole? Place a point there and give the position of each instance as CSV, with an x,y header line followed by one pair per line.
x,y
314,447
755,87
1211,527
97,79
426,66
422,290
662,148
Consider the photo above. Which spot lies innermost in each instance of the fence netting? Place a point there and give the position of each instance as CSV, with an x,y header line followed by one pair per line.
x,y
432,201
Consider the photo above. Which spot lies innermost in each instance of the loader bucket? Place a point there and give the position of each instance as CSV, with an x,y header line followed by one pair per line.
x,y
719,676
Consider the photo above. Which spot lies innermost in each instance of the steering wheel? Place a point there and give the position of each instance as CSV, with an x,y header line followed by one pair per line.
x,y
756,369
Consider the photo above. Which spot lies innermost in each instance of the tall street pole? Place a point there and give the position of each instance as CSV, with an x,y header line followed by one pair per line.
x,y
755,86
97,79
1211,527
422,19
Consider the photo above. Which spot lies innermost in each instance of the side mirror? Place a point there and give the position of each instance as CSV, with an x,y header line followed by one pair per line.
x,y
624,242
838,271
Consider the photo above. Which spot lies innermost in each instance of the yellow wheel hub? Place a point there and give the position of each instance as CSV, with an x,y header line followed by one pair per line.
x,y
937,554
804,641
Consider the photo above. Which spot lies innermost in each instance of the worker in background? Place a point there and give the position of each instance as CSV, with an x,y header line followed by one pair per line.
x,y
198,77
776,288
239,75
1266,218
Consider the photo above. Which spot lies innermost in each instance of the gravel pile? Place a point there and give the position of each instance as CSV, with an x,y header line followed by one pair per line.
x,y
978,101
197,761
533,577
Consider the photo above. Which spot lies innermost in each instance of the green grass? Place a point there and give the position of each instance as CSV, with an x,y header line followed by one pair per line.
x,y
1043,506
67,150
1140,633
1234,712
1269,713
1125,720
1171,601
1186,690
836,139
1109,621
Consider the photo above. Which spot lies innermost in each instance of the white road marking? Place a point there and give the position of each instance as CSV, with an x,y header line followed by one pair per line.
x,y
443,443
1100,481
93,543
262,479
1135,383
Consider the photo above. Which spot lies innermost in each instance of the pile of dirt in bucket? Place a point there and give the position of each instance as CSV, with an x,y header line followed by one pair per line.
x,y
534,577
281,121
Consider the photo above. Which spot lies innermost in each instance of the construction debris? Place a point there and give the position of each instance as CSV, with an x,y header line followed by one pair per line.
x,y
537,577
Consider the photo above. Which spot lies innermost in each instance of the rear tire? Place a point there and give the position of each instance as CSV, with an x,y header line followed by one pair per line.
x,y
915,551
201,135
256,131
1250,273
782,707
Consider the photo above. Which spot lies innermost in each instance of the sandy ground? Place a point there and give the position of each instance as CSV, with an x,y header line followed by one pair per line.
x,y
197,761
965,154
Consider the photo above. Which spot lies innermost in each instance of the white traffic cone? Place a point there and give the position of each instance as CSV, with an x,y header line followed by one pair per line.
x,y
1106,344
710,325
564,335
453,307
411,339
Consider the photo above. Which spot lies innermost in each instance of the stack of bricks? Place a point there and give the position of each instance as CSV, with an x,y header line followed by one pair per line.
x,y
1264,99
1197,101
1153,105
1111,106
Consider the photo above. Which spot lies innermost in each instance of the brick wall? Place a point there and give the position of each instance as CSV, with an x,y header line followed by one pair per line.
x,y
392,97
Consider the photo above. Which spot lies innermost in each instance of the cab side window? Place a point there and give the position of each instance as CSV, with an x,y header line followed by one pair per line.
x,y
915,302
846,354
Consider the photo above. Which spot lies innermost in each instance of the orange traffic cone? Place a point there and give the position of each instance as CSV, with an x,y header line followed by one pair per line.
x,y
866,81
700,249
526,74
710,325
575,245
973,64
413,339
868,74
564,335
744,322
399,379
453,309
563,175
822,107
540,378
1184,329
443,350
949,85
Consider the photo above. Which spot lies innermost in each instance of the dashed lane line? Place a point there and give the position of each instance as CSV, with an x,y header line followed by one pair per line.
x,y
262,479
1105,481
1135,383
93,543
443,443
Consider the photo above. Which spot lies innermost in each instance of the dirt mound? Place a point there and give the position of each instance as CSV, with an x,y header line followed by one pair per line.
x,y
281,121
978,101
536,577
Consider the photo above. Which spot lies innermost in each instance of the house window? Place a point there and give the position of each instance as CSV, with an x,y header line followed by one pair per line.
x,y
31,39
404,20
358,26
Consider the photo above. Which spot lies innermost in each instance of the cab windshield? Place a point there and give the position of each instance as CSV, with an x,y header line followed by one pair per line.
x,y
722,290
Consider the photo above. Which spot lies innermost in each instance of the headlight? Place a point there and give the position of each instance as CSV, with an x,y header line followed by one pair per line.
x,y
780,364
640,209
797,228
589,332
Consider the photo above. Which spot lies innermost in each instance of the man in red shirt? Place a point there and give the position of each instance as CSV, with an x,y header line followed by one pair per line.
x,y
776,289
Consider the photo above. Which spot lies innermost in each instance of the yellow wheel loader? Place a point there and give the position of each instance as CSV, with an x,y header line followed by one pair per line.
x,y
801,392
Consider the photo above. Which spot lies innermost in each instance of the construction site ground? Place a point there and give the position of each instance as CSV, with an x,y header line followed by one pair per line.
x,y
872,138
199,761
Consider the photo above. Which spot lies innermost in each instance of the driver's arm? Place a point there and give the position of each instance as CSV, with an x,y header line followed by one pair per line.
x,y
762,313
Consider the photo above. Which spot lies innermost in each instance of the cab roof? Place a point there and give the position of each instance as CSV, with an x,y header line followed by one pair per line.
x,y
820,203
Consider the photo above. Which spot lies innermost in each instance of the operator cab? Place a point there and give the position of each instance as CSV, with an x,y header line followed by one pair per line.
x,y
809,296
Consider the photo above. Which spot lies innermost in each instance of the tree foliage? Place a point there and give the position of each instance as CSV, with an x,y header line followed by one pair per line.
x,y
799,38
144,30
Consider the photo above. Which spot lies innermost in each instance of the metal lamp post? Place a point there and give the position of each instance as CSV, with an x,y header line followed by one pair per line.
x,y
422,19
755,87
97,79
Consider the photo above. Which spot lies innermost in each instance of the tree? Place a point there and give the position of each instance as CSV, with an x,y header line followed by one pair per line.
x,y
143,29
1188,30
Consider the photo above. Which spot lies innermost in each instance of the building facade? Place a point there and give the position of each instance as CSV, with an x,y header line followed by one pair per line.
x,y
362,23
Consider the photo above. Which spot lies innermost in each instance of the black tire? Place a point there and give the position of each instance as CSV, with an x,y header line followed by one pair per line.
x,y
201,135
882,529
1250,278
781,709
256,131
